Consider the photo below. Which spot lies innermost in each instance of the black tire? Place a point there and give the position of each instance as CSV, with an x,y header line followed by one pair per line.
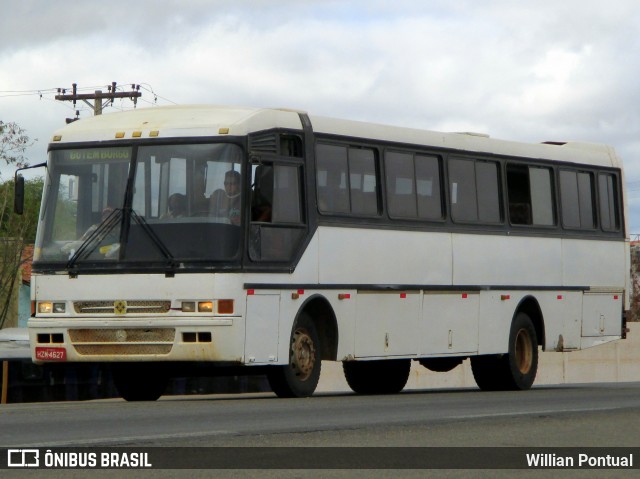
x,y
300,377
139,382
487,371
387,376
515,370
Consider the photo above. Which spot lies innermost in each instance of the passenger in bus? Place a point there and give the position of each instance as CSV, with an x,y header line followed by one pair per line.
x,y
225,203
176,206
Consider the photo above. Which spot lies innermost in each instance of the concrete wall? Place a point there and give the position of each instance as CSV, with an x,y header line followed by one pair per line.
x,y
613,362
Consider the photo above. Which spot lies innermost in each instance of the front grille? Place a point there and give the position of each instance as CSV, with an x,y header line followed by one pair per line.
x,y
131,335
122,349
108,307
129,341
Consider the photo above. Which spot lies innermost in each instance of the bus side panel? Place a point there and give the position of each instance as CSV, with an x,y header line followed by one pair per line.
x,y
562,315
598,264
506,260
602,314
386,323
561,319
261,341
449,323
367,256
495,319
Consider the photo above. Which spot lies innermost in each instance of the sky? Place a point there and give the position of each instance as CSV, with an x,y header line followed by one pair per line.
x,y
525,70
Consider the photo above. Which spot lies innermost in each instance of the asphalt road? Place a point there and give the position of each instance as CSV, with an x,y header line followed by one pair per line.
x,y
602,415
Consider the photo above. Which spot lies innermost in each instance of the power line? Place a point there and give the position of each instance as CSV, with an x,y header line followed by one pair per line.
x,y
94,100
98,96
149,88
14,93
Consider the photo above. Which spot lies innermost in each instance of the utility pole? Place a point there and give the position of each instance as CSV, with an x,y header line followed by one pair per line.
x,y
98,96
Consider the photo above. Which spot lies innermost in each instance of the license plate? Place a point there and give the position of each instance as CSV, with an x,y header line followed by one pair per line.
x,y
51,354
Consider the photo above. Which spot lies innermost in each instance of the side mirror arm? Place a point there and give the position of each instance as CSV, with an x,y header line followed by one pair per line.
x,y
18,196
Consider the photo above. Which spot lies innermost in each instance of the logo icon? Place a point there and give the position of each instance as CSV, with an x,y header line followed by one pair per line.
x,y
23,457
120,307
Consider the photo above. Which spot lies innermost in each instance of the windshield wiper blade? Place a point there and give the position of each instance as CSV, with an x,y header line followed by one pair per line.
x,y
105,227
155,239
96,236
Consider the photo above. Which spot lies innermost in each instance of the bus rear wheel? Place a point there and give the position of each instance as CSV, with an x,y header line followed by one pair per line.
x,y
515,370
139,382
300,377
388,376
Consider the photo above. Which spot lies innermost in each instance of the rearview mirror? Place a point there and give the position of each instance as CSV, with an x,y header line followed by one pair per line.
x,y
18,195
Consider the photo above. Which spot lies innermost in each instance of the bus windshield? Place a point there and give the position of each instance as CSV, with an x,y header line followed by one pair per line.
x,y
182,205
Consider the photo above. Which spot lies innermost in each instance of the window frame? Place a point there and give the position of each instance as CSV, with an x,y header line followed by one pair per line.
x,y
614,201
415,197
347,177
451,192
594,204
256,228
528,166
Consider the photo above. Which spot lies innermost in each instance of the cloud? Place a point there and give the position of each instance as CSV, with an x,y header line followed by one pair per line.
x,y
526,71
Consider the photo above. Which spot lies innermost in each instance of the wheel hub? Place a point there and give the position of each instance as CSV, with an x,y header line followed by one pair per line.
x,y
524,351
303,354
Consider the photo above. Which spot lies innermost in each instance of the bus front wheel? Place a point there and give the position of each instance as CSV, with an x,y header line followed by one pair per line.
x,y
300,377
387,376
515,370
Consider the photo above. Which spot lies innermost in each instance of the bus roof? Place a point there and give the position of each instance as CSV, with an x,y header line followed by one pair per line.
x,y
571,152
212,120
177,121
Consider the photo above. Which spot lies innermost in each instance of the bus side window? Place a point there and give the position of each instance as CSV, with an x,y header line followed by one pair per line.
x,y
262,193
333,194
464,206
576,195
286,195
276,212
413,186
530,195
363,184
428,187
474,189
275,194
347,180
609,208
401,194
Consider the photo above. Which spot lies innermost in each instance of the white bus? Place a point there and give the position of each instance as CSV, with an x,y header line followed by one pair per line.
x,y
269,240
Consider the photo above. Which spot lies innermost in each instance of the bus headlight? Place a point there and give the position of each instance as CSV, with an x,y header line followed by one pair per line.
x,y
188,306
205,306
47,307
219,306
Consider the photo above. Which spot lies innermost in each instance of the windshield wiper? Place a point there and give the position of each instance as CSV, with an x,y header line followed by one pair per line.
x,y
96,236
155,239
104,229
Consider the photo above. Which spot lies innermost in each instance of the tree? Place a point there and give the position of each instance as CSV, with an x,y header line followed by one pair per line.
x,y
13,144
15,230
24,226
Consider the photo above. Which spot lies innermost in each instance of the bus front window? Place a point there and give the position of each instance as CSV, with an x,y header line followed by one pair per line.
x,y
184,206
189,197
85,188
